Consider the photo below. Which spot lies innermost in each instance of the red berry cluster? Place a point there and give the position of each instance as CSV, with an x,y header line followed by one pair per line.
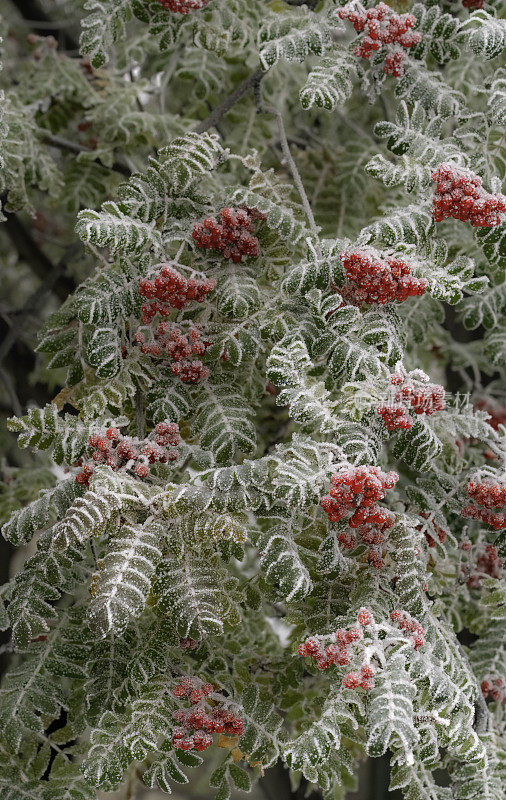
x,y
168,289
424,398
117,451
358,488
188,643
372,279
382,27
362,679
411,626
473,3
183,6
179,347
192,688
459,194
371,534
394,62
197,724
233,236
494,688
488,563
338,652
439,533
487,496
395,416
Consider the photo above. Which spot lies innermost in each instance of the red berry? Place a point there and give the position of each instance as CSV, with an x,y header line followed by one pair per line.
x,y
170,289
382,26
487,496
372,279
459,194
141,470
183,6
232,237
364,617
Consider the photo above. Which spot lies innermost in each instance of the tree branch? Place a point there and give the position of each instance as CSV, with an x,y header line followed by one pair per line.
x,y
36,259
285,147
250,82
76,148
32,12
35,298
140,415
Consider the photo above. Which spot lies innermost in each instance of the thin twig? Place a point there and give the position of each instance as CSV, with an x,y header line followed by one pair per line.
x,y
285,147
76,148
250,82
36,259
9,386
36,296
140,414
309,3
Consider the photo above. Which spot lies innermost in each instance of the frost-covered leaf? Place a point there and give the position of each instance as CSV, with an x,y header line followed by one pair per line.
x,y
87,517
223,422
194,594
282,564
330,83
121,585
485,35
391,711
33,517
102,27
262,723
419,446
292,37
113,229
309,402
429,89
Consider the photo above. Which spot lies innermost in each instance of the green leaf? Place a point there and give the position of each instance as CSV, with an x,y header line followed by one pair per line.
x,y
122,583
103,27
330,83
292,37
419,446
240,777
484,34
282,564
224,422
194,594
51,504
113,229
104,352
390,713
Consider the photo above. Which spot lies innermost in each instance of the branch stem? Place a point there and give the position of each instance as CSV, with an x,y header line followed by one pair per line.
x,y
140,414
214,117
36,259
76,148
285,147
